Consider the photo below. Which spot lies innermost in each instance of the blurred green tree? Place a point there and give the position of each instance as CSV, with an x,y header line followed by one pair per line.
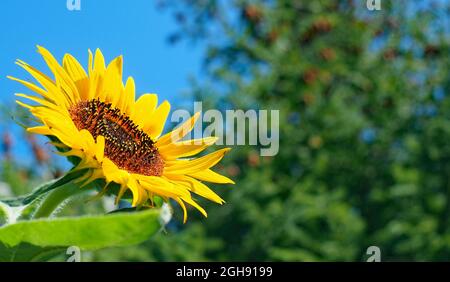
x,y
364,130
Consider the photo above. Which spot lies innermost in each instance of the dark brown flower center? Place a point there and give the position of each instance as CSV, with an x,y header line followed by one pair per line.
x,y
126,146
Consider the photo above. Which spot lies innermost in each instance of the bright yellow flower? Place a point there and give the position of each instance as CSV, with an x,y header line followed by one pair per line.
x,y
117,138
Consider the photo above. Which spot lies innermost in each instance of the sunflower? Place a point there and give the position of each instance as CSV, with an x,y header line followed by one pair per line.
x,y
95,117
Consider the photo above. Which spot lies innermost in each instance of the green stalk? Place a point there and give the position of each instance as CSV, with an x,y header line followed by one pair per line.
x,y
55,198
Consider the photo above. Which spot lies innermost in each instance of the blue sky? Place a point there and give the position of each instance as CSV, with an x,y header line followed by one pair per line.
x,y
136,29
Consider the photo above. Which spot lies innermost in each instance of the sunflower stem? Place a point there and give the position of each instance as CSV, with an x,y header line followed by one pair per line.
x,y
55,198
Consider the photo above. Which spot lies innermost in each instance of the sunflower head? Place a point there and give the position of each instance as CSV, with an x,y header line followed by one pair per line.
x,y
93,116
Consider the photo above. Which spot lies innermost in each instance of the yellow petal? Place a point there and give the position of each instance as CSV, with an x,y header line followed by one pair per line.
x,y
191,202
138,196
113,174
122,190
100,148
41,101
179,132
88,143
117,65
24,105
183,206
94,175
211,176
155,125
161,186
60,124
73,68
129,97
43,130
196,165
47,95
67,85
186,148
99,62
113,86
198,188
53,93
90,62
144,108
96,83
77,74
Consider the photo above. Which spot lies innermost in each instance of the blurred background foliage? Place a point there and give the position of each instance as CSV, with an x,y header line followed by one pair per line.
x,y
364,153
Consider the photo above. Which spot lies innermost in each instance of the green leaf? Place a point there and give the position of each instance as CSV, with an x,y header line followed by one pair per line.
x,y
4,217
44,188
29,210
27,239
27,252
